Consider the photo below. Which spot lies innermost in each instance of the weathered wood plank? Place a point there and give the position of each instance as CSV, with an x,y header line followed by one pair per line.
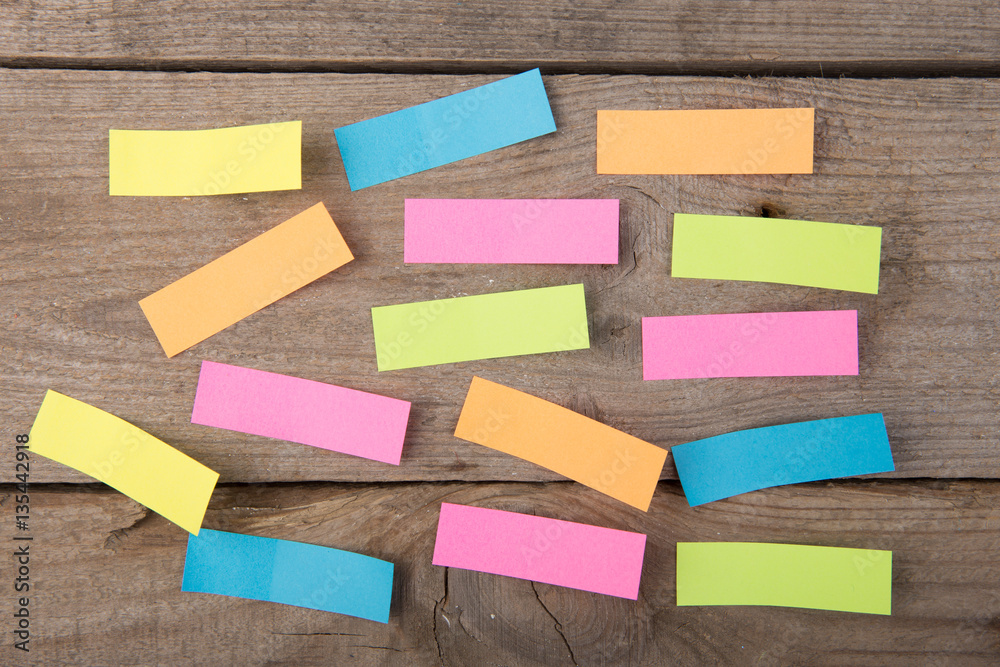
x,y
107,575
918,157
857,37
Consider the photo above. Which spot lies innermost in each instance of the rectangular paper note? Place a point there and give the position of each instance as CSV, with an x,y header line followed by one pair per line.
x,y
290,408
303,575
607,460
485,326
772,250
445,130
784,575
241,282
511,231
705,141
188,163
821,342
734,463
147,470
564,553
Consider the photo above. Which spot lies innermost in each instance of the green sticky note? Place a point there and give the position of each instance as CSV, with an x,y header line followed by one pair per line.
x,y
770,250
784,575
486,326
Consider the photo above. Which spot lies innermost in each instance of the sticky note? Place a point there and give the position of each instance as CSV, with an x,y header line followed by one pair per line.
x,y
510,231
294,573
550,551
772,250
784,575
304,411
241,282
530,428
484,326
129,460
445,130
188,163
734,463
823,342
705,141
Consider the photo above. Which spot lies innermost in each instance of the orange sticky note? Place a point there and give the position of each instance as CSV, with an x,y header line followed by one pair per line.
x,y
533,429
705,141
241,282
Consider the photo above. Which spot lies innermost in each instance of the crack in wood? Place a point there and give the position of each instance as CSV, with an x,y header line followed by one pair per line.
x,y
558,625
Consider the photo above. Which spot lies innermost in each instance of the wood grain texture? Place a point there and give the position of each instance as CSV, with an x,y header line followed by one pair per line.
x,y
107,580
855,37
918,157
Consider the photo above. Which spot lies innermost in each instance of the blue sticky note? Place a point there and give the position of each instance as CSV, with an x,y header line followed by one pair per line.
x,y
727,465
445,130
303,575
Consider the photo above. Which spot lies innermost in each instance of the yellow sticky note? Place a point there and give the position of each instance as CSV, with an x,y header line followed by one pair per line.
x,y
241,282
705,141
188,163
605,459
124,457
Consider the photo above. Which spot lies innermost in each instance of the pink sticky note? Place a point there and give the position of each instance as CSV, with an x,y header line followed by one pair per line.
x,y
564,553
510,231
311,413
750,345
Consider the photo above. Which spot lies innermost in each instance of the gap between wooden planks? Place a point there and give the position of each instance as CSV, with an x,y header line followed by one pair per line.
x,y
854,37
107,579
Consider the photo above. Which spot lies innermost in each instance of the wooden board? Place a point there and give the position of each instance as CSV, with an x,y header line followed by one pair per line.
x,y
107,575
917,157
856,37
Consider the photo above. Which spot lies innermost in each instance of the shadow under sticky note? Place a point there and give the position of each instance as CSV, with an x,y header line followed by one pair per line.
x,y
563,553
290,408
484,326
510,231
124,457
821,342
784,575
743,461
293,573
445,130
705,141
189,163
773,250
241,282
605,459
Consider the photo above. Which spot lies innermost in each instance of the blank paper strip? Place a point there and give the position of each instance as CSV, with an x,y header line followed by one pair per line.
x,y
445,130
531,428
303,575
564,553
188,163
771,250
241,282
742,461
304,411
784,575
821,342
123,456
511,231
705,141
482,326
